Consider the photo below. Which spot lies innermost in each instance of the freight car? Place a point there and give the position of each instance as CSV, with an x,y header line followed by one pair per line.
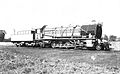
x,y
83,37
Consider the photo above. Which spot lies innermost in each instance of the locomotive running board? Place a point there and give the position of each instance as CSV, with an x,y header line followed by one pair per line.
x,y
70,39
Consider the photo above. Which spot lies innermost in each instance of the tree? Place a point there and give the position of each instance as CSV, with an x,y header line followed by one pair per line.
x,y
112,38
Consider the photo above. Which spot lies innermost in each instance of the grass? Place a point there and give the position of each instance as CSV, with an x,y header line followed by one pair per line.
x,y
34,60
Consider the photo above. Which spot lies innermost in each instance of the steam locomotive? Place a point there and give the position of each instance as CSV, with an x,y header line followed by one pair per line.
x,y
82,37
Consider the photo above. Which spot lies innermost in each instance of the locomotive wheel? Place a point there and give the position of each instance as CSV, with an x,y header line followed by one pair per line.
x,y
98,47
67,45
40,44
17,45
107,48
53,45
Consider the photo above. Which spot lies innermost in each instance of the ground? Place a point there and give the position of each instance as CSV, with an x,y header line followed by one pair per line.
x,y
28,60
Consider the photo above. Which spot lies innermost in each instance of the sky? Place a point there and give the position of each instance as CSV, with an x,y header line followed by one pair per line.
x,y
28,14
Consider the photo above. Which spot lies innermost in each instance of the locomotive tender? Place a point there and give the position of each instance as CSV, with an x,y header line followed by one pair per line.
x,y
84,37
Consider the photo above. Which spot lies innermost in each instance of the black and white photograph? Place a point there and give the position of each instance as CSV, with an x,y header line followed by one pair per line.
x,y
59,36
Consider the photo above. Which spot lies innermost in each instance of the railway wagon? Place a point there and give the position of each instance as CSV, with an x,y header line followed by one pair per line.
x,y
83,37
